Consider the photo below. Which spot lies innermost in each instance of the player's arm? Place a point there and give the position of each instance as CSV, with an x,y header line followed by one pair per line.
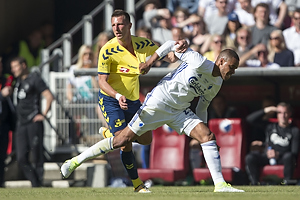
x,y
49,98
104,85
163,51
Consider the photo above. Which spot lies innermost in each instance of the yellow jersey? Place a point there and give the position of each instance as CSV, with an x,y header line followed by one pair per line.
x,y
123,67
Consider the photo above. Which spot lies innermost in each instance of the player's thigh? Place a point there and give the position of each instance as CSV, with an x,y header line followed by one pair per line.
x,y
149,117
113,114
184,121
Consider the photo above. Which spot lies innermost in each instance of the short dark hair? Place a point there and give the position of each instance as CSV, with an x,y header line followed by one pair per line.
x,y
118,13
228,53
20,59
286,105
264,5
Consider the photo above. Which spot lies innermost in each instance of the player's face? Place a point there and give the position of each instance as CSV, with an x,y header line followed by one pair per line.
x,y
227,68
17,68
120,27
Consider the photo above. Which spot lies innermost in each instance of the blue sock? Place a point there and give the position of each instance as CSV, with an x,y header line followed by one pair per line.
x,y
129,163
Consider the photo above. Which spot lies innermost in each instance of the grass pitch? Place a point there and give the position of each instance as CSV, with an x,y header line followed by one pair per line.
x,y
158,192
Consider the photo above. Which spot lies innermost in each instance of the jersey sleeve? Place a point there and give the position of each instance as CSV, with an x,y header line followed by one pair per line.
x,y
39,83
191,57
103,62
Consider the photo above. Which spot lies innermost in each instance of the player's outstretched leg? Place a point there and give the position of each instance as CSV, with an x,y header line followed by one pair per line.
x,y
101,147
212,158
129,163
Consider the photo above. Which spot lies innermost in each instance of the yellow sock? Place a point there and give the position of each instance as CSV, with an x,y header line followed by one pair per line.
x,y
136,182
106,133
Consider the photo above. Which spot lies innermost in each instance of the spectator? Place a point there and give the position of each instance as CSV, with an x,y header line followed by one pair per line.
x,y
275,6
184,20
190,5
243,42
292,36
245,13
80,89
47,30
216,46
29,48
83,84
231,28
159,21
216,22
102,38
278,53
29,130
292,6
5,118
258,120
208,7
148,5
262,59
199,34
283,139
262,29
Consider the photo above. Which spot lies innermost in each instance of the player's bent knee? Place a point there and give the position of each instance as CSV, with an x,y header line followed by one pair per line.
x,y
202,133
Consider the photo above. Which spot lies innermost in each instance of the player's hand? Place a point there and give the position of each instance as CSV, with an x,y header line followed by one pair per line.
x,y
38,117
122,103
144,68
183,46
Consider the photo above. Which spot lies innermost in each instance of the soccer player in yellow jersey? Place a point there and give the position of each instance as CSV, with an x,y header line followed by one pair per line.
x,y
118,73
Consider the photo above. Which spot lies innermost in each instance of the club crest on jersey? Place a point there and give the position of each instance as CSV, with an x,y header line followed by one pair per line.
x,y
124,70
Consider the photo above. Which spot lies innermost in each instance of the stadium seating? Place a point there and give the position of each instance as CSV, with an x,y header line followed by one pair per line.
x,y
169,158
232,142
277,170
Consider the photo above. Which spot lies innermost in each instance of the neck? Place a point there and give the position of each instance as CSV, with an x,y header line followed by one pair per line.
x,y
125,42
24,76
216,71
260,24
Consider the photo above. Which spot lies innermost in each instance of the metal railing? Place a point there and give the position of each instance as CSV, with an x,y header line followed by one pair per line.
x,y
69,123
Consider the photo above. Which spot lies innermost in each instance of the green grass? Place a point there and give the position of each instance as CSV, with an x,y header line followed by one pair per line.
x,y
158,192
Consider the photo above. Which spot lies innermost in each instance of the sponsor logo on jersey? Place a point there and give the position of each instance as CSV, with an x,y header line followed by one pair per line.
x,y
124,70
132,67
194,84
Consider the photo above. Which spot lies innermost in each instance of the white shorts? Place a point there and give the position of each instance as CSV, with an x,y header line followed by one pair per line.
x,y
157,113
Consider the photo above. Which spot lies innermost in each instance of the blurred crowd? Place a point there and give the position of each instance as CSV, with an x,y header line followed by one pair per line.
x,y
265,33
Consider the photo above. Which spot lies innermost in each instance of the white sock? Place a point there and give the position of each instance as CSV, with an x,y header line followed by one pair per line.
x,y
213,161
101,147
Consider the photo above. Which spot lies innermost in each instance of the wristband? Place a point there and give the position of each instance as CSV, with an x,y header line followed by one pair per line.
x,y
118,96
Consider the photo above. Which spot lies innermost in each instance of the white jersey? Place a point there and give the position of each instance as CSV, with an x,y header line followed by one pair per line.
x,y
193,78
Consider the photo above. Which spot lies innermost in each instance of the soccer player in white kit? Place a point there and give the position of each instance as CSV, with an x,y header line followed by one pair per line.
x,y
168,103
